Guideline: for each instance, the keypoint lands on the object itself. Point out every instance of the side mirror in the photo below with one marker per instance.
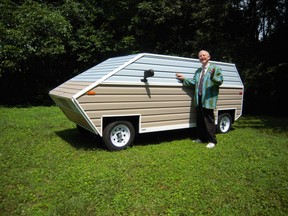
(147, 73)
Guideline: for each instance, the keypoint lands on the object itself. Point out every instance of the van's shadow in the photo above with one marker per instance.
(78, 140)
(89, 141)
(155, 138)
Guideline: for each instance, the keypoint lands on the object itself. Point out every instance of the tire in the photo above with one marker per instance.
(224, 123)
(118, 135)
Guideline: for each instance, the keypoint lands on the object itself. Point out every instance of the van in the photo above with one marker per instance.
(129, 95)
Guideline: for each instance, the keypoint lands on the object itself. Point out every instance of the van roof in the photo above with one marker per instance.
(129, 69)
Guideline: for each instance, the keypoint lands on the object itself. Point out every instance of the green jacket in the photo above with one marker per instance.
(210, 89)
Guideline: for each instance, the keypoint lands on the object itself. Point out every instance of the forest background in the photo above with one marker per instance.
(44, 43)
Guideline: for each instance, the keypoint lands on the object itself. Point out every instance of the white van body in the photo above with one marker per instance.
(115, 101)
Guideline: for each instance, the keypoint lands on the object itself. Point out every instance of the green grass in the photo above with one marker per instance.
(48, 168)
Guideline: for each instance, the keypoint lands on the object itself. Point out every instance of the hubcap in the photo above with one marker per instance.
(224, 124)
(120, 135)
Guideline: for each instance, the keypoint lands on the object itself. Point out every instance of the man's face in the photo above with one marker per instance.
(204, 57)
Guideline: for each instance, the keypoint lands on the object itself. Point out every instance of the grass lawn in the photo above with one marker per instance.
(48, 168)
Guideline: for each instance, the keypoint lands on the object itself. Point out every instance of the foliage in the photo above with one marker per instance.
(44, 43)
(33, 30)
(48, 168)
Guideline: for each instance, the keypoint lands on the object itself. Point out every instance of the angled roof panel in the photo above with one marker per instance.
(103, 69)
(130, 70)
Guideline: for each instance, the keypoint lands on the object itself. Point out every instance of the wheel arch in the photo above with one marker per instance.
(231, 111)
(133, 119)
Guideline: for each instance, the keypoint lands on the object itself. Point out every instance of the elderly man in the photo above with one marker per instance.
(206, 82)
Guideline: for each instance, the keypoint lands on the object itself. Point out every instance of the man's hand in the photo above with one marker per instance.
(212, 73)
(180, 76)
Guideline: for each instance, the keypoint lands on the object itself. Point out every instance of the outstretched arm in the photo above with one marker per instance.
(184, 80)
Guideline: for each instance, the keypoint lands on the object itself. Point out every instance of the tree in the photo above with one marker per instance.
(43, 43)
(33, 37)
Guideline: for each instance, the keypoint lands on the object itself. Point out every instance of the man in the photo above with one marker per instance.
(206, 82)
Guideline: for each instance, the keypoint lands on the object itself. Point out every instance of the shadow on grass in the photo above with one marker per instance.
(89, 141)
(277, 124)
(78, 140)
(155, 138)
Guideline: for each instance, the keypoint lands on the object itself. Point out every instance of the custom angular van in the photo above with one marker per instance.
(128, 95)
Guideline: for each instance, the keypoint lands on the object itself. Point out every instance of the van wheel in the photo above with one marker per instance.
(118, 135)
(224, 123)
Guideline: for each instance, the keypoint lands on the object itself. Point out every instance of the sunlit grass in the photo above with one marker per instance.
(48, 168)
